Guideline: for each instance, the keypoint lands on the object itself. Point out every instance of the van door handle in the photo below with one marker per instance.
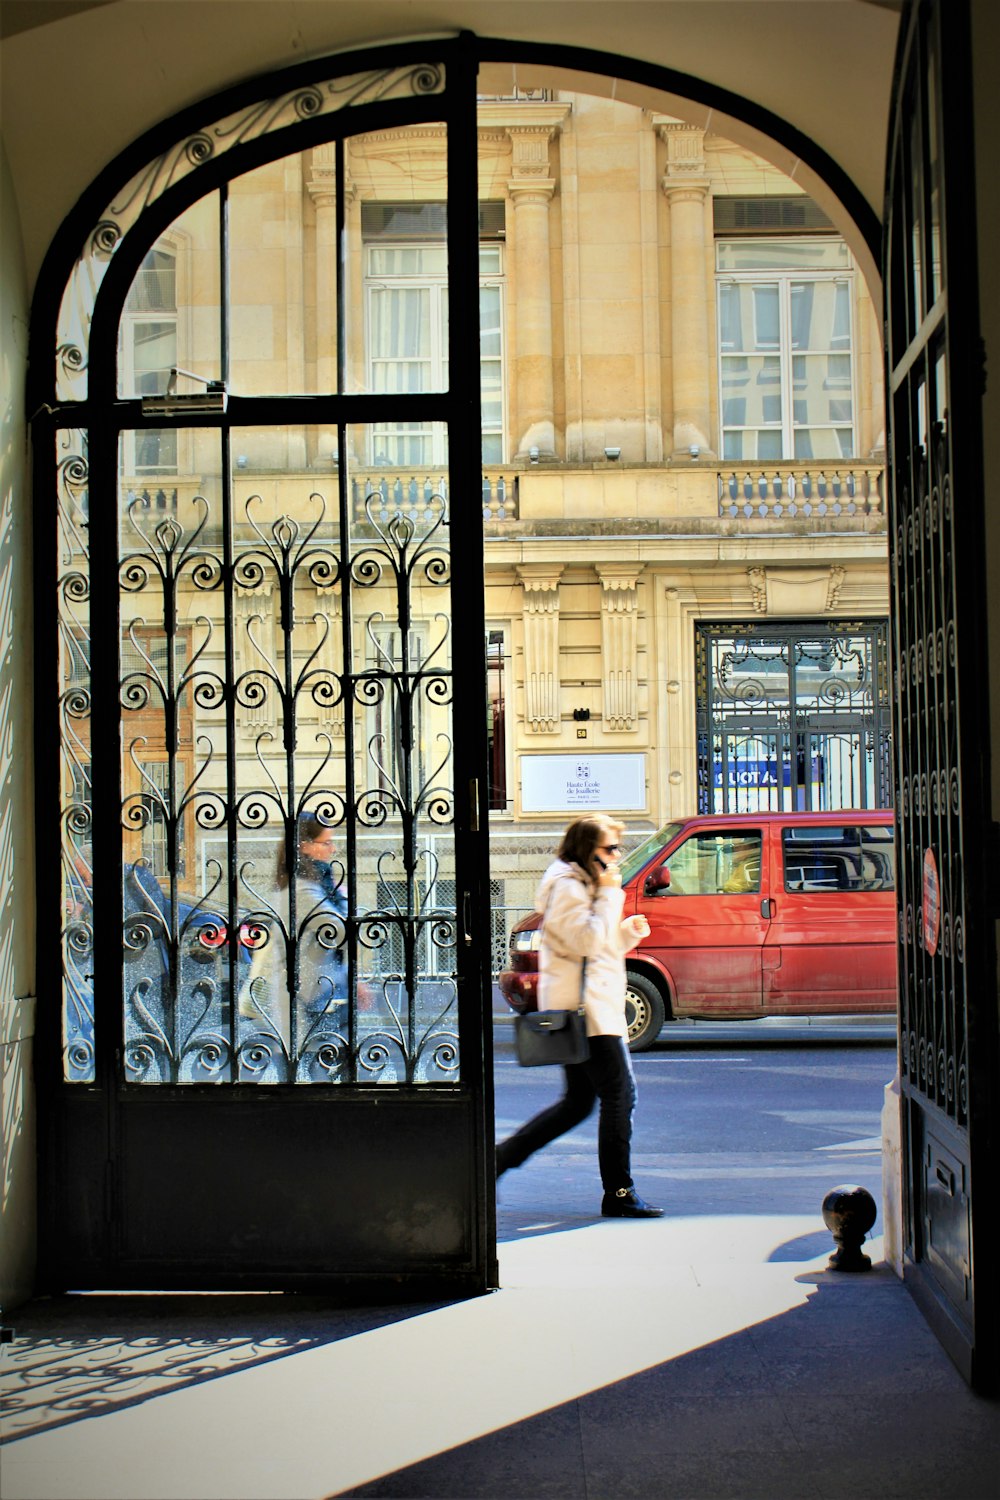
(767, 907)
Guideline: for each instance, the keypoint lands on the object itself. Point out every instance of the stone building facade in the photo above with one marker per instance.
(683, 440)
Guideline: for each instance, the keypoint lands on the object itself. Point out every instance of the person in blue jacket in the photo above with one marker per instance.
(321, 907)
(313, 934)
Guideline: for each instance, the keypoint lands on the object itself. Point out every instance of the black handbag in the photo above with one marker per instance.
(551, 1036)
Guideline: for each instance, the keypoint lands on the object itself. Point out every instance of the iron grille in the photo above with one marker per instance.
(793, 717)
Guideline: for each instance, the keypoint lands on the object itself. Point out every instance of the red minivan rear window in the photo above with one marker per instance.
(829, 858)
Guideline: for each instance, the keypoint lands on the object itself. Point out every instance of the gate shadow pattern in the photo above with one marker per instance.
(79, 1357)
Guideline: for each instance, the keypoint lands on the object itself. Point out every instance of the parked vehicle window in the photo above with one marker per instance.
(838, 859)
(715, 864)
(878, 859)
(633, 862)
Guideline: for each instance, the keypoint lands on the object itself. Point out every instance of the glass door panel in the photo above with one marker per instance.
(172, 674)
(397, 277)
(401, 642)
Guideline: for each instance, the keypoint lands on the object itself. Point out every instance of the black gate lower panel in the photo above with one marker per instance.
(213, 1196)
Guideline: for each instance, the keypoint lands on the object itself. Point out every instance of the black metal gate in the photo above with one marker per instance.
(793, 716)
(272, 1066)
(947, 963)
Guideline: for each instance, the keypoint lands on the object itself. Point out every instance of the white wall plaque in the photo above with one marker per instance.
(583, 783)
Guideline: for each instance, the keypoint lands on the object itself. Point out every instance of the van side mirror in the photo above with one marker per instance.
(656, 881)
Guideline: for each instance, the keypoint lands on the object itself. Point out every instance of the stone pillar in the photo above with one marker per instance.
(619, 640)
(295, 286)
(686, 187)
(540, 619)
(322, 185)
(531, 190)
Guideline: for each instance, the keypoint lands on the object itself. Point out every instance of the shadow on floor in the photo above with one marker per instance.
(84, 1356)
(832, 1398)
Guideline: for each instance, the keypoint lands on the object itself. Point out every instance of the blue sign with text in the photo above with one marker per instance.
(765, 773)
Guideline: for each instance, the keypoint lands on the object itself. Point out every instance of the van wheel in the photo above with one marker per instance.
(644, 1011)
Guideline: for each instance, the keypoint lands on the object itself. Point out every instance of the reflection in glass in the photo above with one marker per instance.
(171, 318)
(172, 673)
(75, 790)
(206, 145)
(283, 277)
(342, 803)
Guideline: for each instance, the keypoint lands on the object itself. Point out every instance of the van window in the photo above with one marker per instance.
(826, 858)
(716, 864)
(639, 856)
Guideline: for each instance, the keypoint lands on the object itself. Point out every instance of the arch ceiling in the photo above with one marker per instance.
(116, 69)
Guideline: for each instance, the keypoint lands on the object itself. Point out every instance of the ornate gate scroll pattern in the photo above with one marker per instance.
(219, 959)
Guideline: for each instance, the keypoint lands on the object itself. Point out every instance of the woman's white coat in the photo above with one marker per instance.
(583, 921)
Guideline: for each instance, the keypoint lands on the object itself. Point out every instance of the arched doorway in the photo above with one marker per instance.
(104, 1115)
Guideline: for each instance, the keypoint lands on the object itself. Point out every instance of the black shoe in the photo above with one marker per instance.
(626, 1204)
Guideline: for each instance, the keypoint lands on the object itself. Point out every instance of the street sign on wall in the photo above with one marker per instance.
(583, 783)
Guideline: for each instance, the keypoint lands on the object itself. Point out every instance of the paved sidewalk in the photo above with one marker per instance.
(672, 1358)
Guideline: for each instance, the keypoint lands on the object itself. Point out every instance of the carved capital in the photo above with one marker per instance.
(531, 190)
(684, 190)
(530, 150)
(322, 181)
(685, 150)
(538, 579)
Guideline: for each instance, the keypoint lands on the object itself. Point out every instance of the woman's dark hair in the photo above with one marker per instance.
(583, 838)
(309, 828)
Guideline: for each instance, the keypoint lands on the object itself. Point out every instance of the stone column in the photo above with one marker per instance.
(686, 187)
(540, 618)
(531, 190)
(619, 642)
(322, 185)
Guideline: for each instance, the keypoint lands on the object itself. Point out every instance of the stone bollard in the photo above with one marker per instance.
(849, 1212)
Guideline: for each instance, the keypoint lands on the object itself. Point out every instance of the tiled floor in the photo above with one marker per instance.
(677, 1358)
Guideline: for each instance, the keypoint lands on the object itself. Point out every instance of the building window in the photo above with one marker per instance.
(496, 718)
(147, 354)
(786, 349)
(407, 343)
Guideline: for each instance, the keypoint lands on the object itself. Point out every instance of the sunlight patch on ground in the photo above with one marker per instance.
(334, 1417)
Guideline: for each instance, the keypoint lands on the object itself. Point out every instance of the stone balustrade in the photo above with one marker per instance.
(531, 493)
(763, 491)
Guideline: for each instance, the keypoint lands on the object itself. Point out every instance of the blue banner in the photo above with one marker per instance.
(765, 773)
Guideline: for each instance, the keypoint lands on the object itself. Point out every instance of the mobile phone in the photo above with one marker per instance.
(599, 862)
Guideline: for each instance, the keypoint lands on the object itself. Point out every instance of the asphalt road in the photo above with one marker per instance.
(758, 1128)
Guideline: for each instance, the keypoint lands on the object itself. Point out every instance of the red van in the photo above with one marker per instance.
(750, 914)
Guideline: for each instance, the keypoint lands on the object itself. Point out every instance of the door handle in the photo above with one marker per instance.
(767, 907)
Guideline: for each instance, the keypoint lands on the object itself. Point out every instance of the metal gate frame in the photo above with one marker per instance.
(225, 1184)
(794, 732)
(946, 886)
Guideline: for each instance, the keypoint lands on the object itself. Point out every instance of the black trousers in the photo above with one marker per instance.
(607, 1076)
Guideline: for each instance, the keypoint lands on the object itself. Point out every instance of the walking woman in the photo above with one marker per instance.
(584, 942)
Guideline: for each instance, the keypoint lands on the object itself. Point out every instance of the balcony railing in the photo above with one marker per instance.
(751, 493)
(760, 492)
(419, 496)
